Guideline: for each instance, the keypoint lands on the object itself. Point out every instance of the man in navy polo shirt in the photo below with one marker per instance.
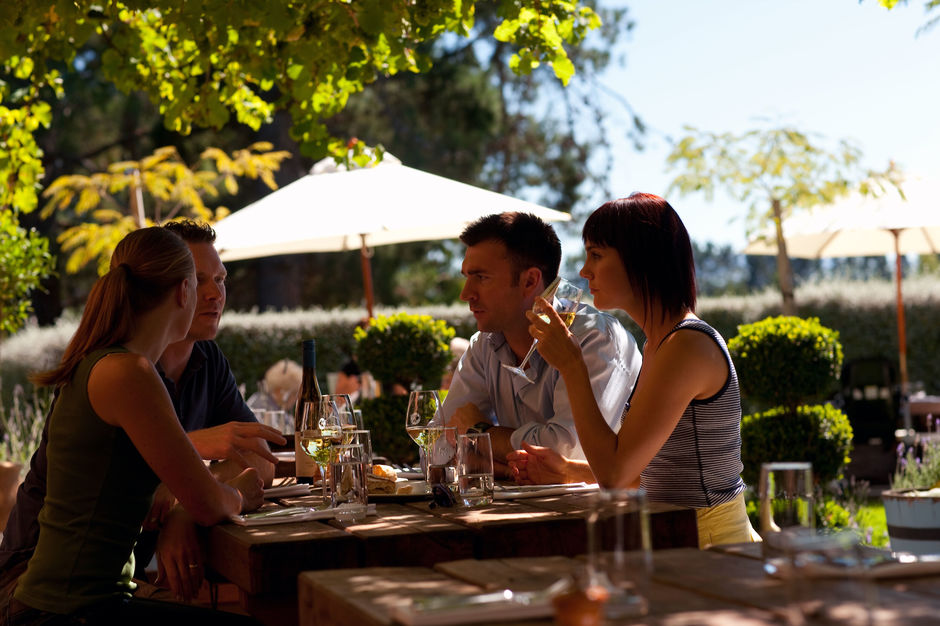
(220, 425)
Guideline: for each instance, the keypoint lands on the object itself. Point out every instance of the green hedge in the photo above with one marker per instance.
(863, 314)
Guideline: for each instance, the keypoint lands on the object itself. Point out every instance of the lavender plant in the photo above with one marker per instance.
(918, 464)
(22, 425)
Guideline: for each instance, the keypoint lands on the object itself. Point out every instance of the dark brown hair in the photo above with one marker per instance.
(654, 248)
(147, 265)
(191, 231)
(529, 241)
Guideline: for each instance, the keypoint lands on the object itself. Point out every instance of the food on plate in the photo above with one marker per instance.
(384, 471)
(381, 480)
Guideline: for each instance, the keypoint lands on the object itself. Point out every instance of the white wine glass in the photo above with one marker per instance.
(423, 407)
(347, 415)
(321, 428)
(565, 298)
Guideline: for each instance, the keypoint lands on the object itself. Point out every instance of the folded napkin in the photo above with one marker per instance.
(287, 490)
(516, 492)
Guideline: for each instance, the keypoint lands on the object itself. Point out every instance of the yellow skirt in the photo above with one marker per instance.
(725, 523)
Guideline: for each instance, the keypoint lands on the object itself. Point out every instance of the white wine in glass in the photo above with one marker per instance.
(320, 430)
(566, 299)
(423, 407)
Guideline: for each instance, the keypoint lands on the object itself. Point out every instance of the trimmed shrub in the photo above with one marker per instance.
(411, 350)
(820, 434)
(786, 360)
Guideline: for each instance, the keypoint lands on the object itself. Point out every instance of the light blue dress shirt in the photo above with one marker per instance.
(540, 413)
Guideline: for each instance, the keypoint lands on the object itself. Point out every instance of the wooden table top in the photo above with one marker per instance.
(264, 561)
(725, 585)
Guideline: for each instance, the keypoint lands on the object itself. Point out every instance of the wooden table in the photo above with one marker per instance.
(688, 586)
(265, 561)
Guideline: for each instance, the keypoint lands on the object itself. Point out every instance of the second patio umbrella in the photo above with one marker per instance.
(868, 226)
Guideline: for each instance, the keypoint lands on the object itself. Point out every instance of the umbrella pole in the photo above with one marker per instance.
(366, 257)
(902, 333)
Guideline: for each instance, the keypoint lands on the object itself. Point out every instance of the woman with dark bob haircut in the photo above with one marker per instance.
(680, 437)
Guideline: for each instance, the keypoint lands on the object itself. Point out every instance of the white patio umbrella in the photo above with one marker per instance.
(868, 226)
(332, 209)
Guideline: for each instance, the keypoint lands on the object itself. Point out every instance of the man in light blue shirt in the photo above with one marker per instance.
(509, 261)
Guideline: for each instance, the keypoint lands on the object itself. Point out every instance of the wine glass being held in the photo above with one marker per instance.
(554, 341)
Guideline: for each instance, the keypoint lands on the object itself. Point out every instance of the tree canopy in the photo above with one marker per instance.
(778, 171)
(203, 63)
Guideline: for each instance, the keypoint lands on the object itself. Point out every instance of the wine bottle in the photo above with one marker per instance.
(306, 466)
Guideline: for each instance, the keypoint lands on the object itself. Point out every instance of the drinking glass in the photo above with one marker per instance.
(620, 555)
(320, 429)
(423, 407)
(475, 469)
(347, 417)
(363, 438)
(441, 456)
(348, 492)
(565, 298)
(282, 421)
(829, 554)
(786, 510)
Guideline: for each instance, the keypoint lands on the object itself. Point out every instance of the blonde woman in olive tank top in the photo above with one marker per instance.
(113, 435)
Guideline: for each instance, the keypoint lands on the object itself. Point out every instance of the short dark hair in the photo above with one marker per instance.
(350, 368)
(192, 231)
(654, 248)
(529, 241)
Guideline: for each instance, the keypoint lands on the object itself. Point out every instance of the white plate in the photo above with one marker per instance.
(287, 490)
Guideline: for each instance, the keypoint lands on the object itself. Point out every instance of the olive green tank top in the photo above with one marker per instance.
(99, 491)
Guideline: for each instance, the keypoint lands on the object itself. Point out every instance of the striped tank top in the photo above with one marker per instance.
(700, 464)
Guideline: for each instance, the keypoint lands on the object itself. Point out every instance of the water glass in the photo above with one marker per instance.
(475, 469)
(441, 450)
(785, 509)
(833, 554)
(363, 438)
(620, 554)
(348, 490)
(786, 497)
(281, 421)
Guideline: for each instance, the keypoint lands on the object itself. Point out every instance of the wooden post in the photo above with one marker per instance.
(366, 257)
(902, 331)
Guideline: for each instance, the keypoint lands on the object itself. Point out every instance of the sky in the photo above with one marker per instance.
(837, 68)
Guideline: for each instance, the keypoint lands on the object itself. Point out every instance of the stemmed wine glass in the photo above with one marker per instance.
(321, 427)
(565, 298)
(423, 407)
(347, 415)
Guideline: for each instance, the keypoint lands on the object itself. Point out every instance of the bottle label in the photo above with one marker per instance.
(306, 467)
